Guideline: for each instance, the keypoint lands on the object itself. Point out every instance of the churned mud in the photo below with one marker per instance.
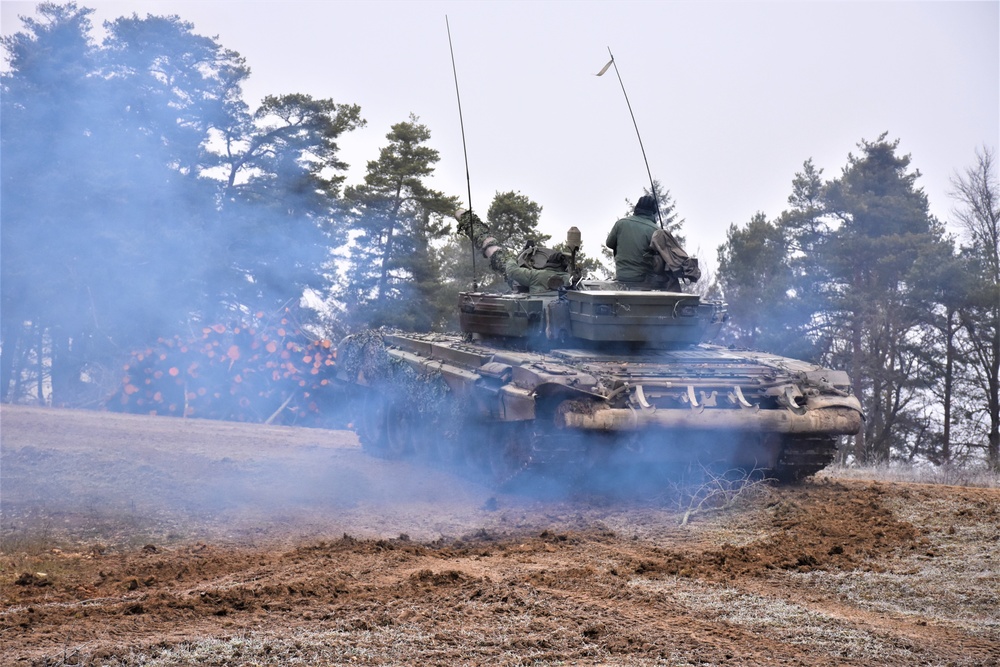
(133, 540)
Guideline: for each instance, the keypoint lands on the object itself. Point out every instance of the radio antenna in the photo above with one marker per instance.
(465, 153)
(652, 186)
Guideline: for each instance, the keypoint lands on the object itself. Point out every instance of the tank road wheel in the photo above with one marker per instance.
(430, 437)
(424, 439)
(510, 451)
(400, 425)
(372, 425)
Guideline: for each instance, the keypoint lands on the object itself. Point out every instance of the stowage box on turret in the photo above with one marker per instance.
(590, 373)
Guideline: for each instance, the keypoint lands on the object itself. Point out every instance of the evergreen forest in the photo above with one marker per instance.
(152, 221)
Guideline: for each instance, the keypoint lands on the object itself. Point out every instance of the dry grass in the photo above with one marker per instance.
(976, 476)
(950, 578)
(717, 492)
(783, 621)
(340, 644)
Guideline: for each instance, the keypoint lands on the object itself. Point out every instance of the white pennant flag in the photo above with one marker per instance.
(605, 68)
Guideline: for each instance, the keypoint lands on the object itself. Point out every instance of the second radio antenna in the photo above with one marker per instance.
(652, 186)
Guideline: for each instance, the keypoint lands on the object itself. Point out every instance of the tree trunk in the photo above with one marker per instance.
(40, 360)
(949, 380)
(387, 252)
(993, 444)
(12, 340)
(860, 444)
(65, 368)
(21, 367)
(384, 276)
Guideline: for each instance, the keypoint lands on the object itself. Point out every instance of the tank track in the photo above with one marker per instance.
(502, 452)
(802, 457)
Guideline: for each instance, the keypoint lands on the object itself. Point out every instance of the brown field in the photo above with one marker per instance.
(157, 541)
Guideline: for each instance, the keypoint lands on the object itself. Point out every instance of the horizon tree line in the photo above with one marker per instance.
(143, 199)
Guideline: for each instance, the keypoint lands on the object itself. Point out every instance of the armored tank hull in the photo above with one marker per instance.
(592, 376)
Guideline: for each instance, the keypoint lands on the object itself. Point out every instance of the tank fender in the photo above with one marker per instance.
(520, 403)
(549, 389)
(516, 404)
(458, 379)
(822, 402)
(538, 374)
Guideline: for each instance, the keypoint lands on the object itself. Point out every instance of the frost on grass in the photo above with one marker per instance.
(933, 597)
(782, 621)
(501, 642)
(952, 577)
(948, 475)
(383, 645)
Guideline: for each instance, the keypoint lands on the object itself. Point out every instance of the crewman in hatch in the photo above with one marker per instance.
(647, 256)
(553, 275)
(629, 242)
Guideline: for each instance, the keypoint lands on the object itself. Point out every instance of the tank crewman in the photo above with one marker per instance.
(629, 242)
(553, 275)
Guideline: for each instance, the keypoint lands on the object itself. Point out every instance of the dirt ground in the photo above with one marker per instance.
(158, 541)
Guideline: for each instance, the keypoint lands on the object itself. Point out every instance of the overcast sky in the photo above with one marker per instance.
(730, 97)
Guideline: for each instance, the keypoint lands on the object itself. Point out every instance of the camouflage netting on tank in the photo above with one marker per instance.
(364, 357)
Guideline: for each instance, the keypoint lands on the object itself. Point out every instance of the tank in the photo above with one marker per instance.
(593, 375)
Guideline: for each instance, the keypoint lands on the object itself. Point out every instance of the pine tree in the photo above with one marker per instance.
(393, 277)
(882, 224)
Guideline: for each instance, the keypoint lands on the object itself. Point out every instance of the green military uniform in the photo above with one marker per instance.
(536, 280)
(629, 241)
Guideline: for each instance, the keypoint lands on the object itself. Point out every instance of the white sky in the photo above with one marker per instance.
(730, 97)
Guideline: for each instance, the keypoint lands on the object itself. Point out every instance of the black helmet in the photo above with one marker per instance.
(646, 206)
(557, 261)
